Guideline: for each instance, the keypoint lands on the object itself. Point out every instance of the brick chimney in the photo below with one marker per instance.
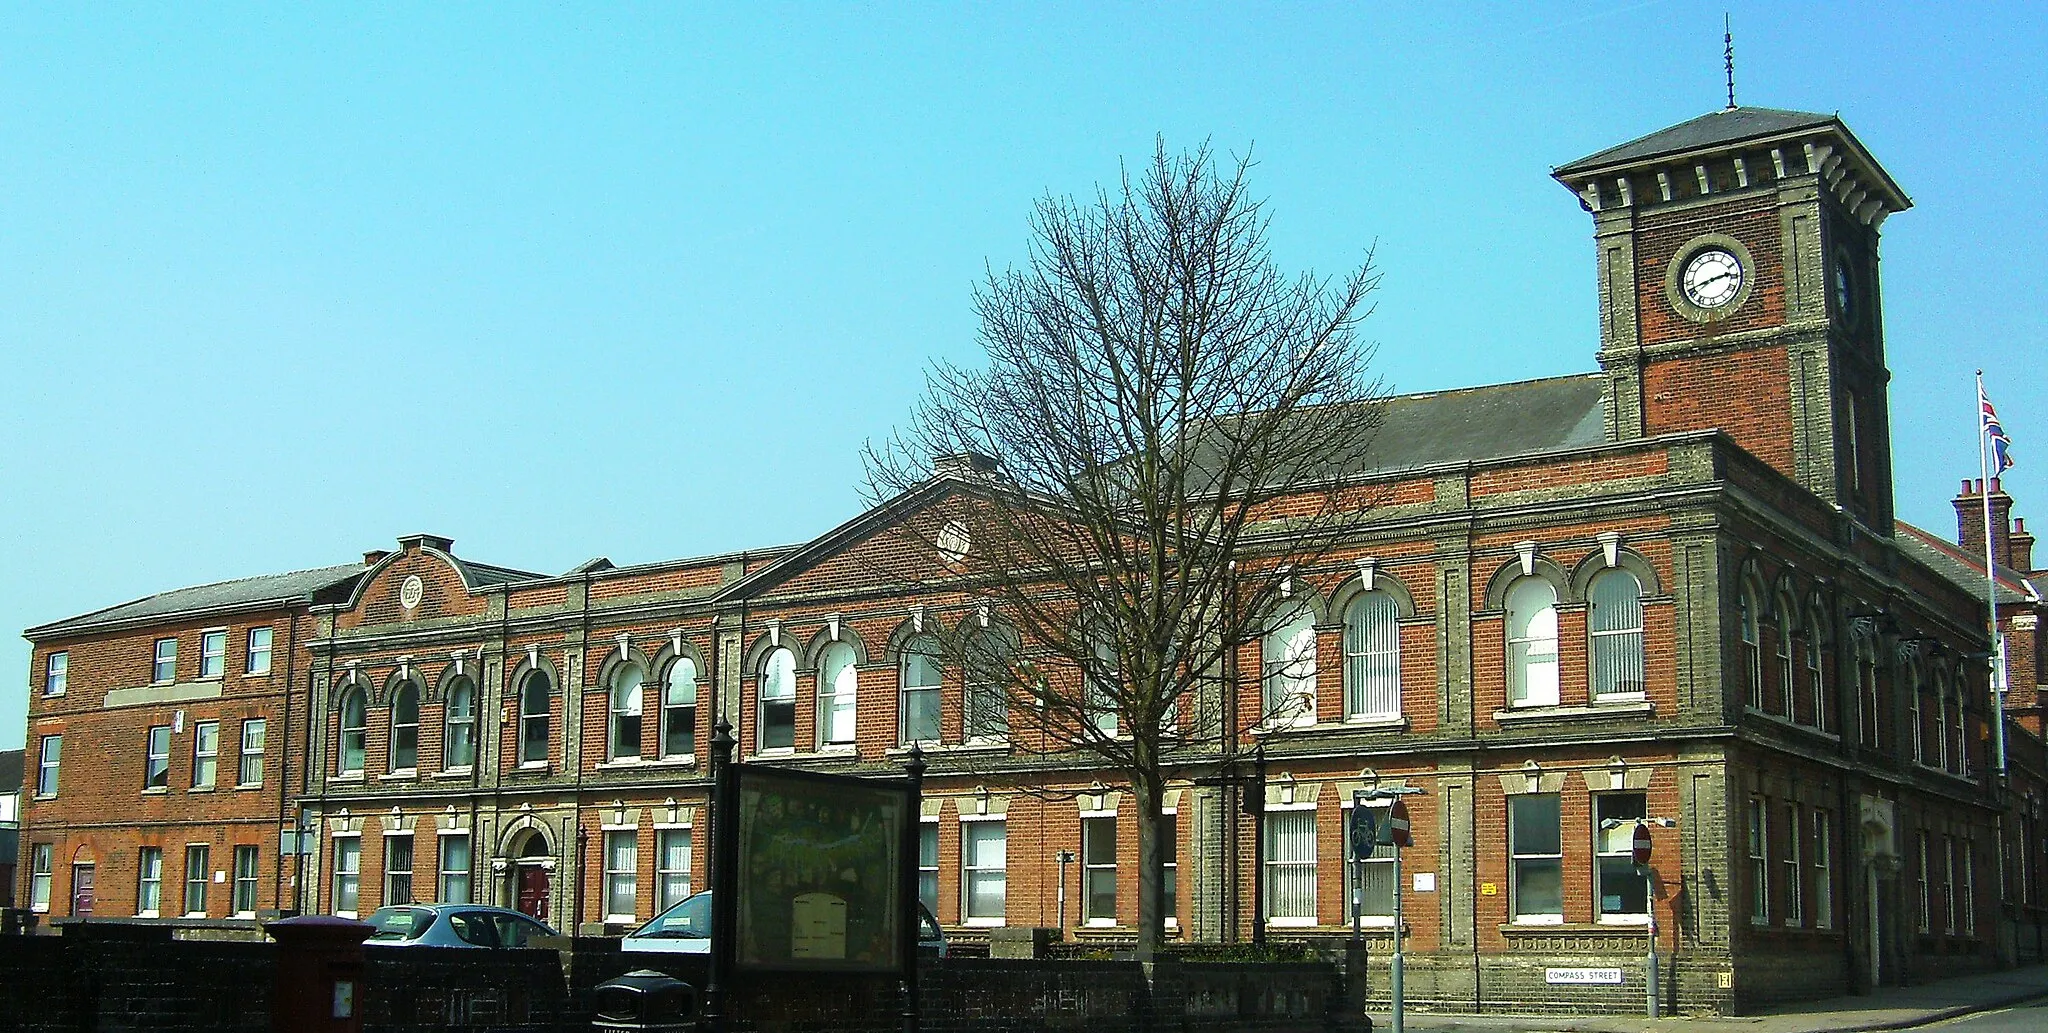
(2022, 547)
(1969, 503)
(965, 465)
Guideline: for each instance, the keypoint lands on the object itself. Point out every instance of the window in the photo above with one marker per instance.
(46, 766)
(164, 668)
(1288, 660)
(1752, 648)
(778, 700)
(671, 867)
(1536, 849)
(621, 870)
(988, 703)
(149, 881)
(1816, 682)
(1968, 864)
(259, 652)
(1914, 714)
(454, 869)
(1291, 867)
(837, 683)
(983, 875)
(1623, 894)
(458, 714)
(928, 865)
(919, 675)
(354, 729)
(1372, 657)
(56, 671)
(1759, 864)
(196, 875)
(213, 654)
(679, 709)
(1867, 703)
(533, 718)
(1373, 898)
(1795, 897)
(205, 754)
(250, 772)
(1169, 863)
(405, 727)
(1099, 698)
(245, 881)
(1787, 673)
(1098, 870)
(625, 698)
(397, 869)
(348, 869)
(1924, 921)
(1823, 876)
(1616, 630)
(157, 762)
(40, 859)
(1532, 643)
(1948, 870)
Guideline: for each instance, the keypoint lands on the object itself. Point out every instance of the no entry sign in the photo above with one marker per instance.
(1397, 825)
(1640, 848)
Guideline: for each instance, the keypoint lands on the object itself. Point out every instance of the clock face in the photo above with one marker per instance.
(1713, 278)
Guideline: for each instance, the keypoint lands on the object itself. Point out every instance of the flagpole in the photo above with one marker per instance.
(1997, 678)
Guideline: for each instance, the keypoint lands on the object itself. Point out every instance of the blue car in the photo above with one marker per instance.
(452, 925)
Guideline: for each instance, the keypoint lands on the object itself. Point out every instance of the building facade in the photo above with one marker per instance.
(1672, 591)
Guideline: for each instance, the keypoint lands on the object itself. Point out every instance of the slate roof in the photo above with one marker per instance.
(1493, 421)
(1951, 562)
(1709, 130)
(486, 575)
(297, 586)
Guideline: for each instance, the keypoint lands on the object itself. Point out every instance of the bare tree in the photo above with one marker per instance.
(1165, 426)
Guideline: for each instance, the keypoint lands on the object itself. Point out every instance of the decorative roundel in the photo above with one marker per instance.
(1713, 278)
(410, 593)
(954, 543)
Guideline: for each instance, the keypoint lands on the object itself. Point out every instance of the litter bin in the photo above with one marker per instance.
(645, 1000)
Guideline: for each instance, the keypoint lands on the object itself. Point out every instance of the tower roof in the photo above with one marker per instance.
(1705, 132)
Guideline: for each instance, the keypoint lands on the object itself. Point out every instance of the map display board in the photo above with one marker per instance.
(819, 873)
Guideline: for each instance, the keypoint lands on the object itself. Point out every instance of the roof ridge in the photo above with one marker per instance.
(1472, 388)
(2010, 576)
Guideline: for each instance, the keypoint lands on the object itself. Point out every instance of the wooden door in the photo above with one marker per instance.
(533, 891)
(81, 889)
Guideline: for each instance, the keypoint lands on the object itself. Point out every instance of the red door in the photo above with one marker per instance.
(533, 891)
(81, 890)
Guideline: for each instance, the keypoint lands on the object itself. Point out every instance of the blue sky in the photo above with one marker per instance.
(280, 283)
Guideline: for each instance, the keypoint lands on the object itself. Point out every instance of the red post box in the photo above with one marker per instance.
(319, 975)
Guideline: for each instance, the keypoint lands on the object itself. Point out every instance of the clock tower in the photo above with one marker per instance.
(1737, 267)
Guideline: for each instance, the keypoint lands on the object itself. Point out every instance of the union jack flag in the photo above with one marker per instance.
(2001, 446)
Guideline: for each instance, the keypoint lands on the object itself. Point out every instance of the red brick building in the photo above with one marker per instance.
(1671, 589)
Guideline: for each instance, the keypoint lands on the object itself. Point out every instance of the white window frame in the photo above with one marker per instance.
(392, 871)
(42, 860)
(1816, 680)
(1948, 871)
(970, 872)
(1516, 859)
(679, 717)
(672, 883)
(928, 863)
(448, 873)
(163, 664)
(400, 728)
(625, 706)
(1535, 647)
(348, 844)
(205, 754)
(49, 761)
(1823, 870)
(925, 648)
(1617, 842)
(777, 673)
(205, 857)
(1088, 868)
(1372, 657)
(251, 754)
(258, 643)
(156, 759)
(1614, 637)
(1380, 864)
(1788, 663)
(358, 734)
(56, 672)
(1278, 867)
(985, 701)
(458, 725)
(1287, 665)
(621, 880)
(1747, 620)
(213, 654)
(149, 881)
(1793, 861)
(1169, 856)
(541, 686)
(1925, 920)
(1759, 848)
(838, 696)
(1969, 894)
(251, 878)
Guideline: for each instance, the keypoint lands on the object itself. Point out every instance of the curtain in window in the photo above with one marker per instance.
(1616, 627)
(1291, 865)
(983, 845)
(1372, 657)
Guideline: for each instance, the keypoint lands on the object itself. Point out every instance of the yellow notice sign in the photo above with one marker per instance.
(817, 927)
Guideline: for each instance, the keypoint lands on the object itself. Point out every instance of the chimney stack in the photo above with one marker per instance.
(1969, 503)
(2022, 547)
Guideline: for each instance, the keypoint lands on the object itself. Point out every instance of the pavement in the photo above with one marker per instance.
(1892, 1007)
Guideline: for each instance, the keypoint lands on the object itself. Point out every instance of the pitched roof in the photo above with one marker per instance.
(1494, 421)
(293, 587)
(1710, 130)
(486, 575)
(1966, 572)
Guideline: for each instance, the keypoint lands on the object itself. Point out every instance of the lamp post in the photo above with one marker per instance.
(1640, 847)
(1065, 858)
(1393, 833)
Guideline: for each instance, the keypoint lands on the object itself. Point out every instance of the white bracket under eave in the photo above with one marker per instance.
(1527, 552)
(1368, 571)
(1610, 547)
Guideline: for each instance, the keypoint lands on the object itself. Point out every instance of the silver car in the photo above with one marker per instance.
(452, 925)
(685, 928)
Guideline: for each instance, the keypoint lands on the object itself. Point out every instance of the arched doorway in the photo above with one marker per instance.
(530, 875)
(82, 870)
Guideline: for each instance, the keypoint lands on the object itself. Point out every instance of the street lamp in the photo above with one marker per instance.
(1065, 858)
(1366, 834)
(1641, 855)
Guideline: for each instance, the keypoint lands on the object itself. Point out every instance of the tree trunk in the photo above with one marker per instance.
(1149, 787)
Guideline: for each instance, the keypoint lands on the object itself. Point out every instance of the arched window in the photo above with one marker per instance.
(1788, 674)
(1615, 626)
(1915, 712)
(354, 729)
(1099, 694)
(405, 727)
(533, 718)
(986, 672)
(1746, 613)
(919, 675)
(778, 700)
(1288, 656)
(1816, 676)
(460, 714)
(1372, 657)
(627, 680)
(679, 709)
(1866, 694)
(1532, 643)
(838, 681)
(1941, 724)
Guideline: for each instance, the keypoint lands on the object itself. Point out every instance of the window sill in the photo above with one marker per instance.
(1625, 921)
(1572, 929)
(984, 923)
(1396, 723)
(1290, 923)
(349, 776)
(157, 791)
(44, 796)
(401, 775)
(200, 789)
(243, 787)
(1589, 712)
(532, 765)
(1002, 746)
(465, 771)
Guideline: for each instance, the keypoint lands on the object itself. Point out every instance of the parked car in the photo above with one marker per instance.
(685, 928)
(452, 925)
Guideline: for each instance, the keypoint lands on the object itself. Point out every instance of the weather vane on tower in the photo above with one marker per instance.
(1728, 54)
